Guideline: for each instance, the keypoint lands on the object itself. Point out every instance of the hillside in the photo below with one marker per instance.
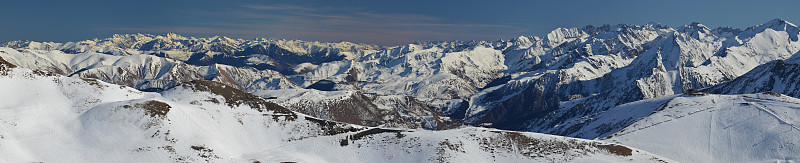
(701, 127)
(51, 118)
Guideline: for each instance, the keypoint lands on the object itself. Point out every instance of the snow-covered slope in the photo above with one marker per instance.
(699, 127)
(45, 117)
(709, 128)
(457, 145)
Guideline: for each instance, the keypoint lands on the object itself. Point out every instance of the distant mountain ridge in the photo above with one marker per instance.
(263, 54)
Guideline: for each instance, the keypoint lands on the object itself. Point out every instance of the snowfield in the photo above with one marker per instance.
(719, 128)
(759, 127)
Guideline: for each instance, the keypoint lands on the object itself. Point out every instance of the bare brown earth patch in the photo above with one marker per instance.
(373, 131)
(534, 148)
(205, 153)
(235, 97)
(152, 108)
(332, 128)
(5, 66)
(617, 149)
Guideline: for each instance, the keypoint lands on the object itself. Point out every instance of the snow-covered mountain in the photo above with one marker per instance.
(674, 61)
(143, 72)
(780, 76)
(433, 74)
(275, 54)
(46, 117)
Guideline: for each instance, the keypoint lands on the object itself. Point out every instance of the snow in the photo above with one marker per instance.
(143, 71)
(304, 67)
(613, 65)
(57, 118)
(588, 72)
(72, 120)
(181, 48)
(422, 146)
(430, 73)
(717, 128)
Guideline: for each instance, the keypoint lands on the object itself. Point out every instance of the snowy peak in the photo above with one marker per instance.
(523, 42)
(778, 24)
(696, 30)
(774, 25)
(561, 35)
(695, 26)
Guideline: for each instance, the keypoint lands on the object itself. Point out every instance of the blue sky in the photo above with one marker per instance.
(376, 22)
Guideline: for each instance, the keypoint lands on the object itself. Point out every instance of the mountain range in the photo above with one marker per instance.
(620, 84)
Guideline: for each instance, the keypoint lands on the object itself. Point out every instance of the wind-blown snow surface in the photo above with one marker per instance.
(51, 118)
(708, 128)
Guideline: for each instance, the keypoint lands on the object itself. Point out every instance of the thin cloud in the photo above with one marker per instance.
(396, 17)
(333, 24)
(277, 7)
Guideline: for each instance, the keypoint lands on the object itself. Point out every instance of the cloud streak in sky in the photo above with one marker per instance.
(277, 7)
(331, 24)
